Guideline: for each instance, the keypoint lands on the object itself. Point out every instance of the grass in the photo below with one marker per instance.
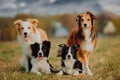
(105, 61)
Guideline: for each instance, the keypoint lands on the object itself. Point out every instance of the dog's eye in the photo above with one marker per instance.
(22, 28)
(82, 20)
(28, 27)
(88, 19)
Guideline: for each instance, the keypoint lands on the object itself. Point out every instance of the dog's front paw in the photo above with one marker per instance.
(76, 73)
(88, 72)
(60, 73)
(38, 73)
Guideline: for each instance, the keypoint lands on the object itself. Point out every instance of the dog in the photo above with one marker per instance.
(39, 61)
(85, 36)
(70, 64)
(28, 33)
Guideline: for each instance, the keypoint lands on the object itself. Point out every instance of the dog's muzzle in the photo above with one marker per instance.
(85, 25)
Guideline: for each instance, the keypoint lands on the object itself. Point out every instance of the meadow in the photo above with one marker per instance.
(104, 61)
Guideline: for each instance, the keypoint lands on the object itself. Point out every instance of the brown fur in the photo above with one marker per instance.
(33, 27)
(77, 35)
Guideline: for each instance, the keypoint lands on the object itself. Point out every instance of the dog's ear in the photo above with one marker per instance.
(33, 21)
(47, 43)
(92, 15)
(79, 16)
(62, 45)
(78, 19)
(76, 46)
(59, 52)
(17, 24)
(35, 48)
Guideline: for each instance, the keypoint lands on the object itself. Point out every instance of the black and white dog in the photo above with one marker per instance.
(70, 64)
(39, 61)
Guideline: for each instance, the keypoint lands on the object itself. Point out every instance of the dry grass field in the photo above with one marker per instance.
(105, 61)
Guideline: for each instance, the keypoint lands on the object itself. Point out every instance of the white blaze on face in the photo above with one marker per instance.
(25, 26)
(40, 51)
(69, 54)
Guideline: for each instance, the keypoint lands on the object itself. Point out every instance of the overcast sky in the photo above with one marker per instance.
(51, 7)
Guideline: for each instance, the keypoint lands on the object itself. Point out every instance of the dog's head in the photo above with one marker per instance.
(26, 28)
(41, 50)
(85, 20)
(69, 52)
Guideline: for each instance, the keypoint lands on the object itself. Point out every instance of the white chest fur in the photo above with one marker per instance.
(87, 43)
(69, 66)
(41, 65)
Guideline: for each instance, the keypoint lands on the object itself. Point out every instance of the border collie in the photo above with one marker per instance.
(39, 61)
(28, 33)
(70, 64)
(84, 35)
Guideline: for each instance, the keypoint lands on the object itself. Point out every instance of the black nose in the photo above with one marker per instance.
(68, 56)
(85, 25)
(25, 33)
(40, 54)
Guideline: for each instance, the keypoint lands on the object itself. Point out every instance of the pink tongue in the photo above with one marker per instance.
(26, 39)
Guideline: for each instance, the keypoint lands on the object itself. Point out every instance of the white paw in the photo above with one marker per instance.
(60, 73)
(38, 73)
(76, 73)
(88, 72)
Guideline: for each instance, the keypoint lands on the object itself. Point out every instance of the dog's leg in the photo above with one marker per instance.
(35, 70)
(86, 67)
(26, 64)
(75, 72)
(23, 62)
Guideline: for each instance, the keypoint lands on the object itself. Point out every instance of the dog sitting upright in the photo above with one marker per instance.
(70, 64)
(28, 33)
(39, 61)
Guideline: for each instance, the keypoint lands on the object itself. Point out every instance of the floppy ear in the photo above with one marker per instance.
(17, 24)
(79, 16)
(59, 52)
(92, 15)
(35, 49)
(33, 21)
(76, 46)
(47, 43)
(62, 45)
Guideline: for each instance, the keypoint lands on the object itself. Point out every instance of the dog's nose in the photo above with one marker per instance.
(40, 54)
(85, 25)
(68, 56)
(25, 33)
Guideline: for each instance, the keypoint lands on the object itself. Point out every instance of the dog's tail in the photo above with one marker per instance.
(52, 69)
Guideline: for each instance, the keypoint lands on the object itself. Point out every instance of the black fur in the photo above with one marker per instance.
(29, 63)
(45, 49)
(35, 48)
(74, 49)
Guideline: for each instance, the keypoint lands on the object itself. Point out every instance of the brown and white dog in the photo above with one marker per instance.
(85, 36)
(27, 34)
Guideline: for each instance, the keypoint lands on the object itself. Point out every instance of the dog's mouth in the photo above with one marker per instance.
(26, 38)
(40, 57)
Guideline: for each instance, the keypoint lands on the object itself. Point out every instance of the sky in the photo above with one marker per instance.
(52, 7)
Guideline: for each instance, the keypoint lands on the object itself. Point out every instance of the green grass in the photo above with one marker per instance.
(105, 61)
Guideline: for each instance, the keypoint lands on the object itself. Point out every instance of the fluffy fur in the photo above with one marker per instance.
(40, 63)
(70, 64)
(28, 33)
(84, 35)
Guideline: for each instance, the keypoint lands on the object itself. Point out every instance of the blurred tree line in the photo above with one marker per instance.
(7, 30)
